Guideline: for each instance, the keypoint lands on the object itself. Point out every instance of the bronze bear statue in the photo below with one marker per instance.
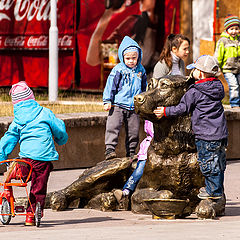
(171, 173)
(172, 153)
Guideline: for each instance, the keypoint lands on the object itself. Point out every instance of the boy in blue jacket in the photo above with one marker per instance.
(203, 101)
(34, 127)
(127, 79)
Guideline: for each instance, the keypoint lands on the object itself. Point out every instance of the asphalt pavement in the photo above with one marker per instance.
(90, 224)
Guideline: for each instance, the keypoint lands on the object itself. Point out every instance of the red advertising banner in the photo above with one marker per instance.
(172, 16)
(138, 20)
(24, 28)
(25, 23)
(82, 26)
(92, 14)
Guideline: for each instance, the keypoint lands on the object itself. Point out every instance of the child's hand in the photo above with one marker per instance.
(107, 106)
(159, 112)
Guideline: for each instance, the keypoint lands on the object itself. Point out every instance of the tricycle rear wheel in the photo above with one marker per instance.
(38, 214)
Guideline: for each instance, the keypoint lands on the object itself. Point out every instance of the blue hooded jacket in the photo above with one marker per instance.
(124, 83)
(33, 127)
(203, 100)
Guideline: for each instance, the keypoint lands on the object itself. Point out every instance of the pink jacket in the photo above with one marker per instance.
(148, 128)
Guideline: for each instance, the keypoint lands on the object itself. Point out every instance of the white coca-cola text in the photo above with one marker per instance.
(65, 41)
(34, 41)
(14, 41)
(25, 9)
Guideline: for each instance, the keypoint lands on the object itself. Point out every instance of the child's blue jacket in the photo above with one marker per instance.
(34, 127)
(124, 83)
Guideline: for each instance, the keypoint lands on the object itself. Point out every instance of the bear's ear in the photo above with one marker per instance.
(152, 83)
(190, 79)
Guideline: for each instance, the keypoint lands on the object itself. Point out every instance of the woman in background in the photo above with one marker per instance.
(175, 50)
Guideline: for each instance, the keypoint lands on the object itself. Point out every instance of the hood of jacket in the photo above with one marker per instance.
(26, 111)
(128, 42)
(226, 35)
(211, 87)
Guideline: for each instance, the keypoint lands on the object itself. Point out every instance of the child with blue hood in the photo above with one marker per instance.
(127, 79)
(36, 129)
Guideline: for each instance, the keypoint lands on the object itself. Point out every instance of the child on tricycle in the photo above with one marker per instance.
(35, 128)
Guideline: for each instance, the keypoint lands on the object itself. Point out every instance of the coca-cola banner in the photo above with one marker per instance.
(25, 23)
(82, 26)
(24, 41)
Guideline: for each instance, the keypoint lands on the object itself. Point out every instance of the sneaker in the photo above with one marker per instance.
(126, 192)
(30, 220)
(205, 195)
(13, 172)
(118, 194)
(110, 154)
(202, 189)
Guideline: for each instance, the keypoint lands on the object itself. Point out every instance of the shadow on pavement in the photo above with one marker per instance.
(77, 221)
(232, 211)
(232, 203)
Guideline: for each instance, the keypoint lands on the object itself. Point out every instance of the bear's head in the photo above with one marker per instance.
(171, 135)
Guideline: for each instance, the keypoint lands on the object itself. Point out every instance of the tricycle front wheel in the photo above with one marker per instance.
(5, 212)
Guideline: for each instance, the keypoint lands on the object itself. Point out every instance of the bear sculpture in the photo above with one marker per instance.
(171, 174)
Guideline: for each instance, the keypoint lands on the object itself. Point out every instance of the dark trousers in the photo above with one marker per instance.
(39, 179)
(116, 117)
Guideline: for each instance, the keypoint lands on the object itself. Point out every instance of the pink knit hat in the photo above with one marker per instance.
(21, 92)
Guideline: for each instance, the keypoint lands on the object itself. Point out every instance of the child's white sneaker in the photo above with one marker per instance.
(205, 195)
(118, 194)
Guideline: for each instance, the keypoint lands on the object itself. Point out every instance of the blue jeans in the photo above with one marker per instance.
(136, 176)
(212, 162)
(233, 81)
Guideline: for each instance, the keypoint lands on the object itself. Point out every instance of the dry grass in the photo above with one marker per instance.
(89, 102)
(6, 109)
(42, 95)
(60, 108)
